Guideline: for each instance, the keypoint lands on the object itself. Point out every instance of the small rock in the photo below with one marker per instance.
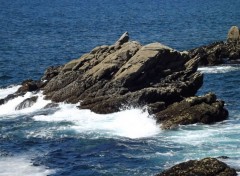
(123, 39)
(233, 34)
(2, 101)
(51, 105)
(29, 86)
(27, 103)
(205, 109)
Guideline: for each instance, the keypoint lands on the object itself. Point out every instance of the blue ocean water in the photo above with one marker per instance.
(67, 141)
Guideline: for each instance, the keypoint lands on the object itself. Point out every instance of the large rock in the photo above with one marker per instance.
(219, 52)
(110, 77)
(206, 109)
(204, 167)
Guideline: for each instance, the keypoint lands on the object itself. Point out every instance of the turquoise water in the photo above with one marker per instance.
(68, 141)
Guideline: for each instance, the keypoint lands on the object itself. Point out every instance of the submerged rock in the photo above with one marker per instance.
(204, 167)
(27, 103)
(219, 52)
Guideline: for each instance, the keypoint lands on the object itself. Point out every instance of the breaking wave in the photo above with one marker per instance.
(219, 69)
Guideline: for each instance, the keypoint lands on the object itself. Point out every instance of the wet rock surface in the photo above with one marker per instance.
(27, 103)
(204, 167)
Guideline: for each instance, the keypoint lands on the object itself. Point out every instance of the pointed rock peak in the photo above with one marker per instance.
(233, 34)
(123, 39)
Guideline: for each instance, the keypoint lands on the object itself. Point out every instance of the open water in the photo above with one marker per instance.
(67, 141)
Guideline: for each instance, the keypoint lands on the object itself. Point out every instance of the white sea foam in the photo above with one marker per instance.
(205, 134)
(9, 107)
(218, 69)
(128, 123)
(9, 90)
(16, 166)
(133, 123)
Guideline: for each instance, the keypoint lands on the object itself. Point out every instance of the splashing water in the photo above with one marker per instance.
(16, 166)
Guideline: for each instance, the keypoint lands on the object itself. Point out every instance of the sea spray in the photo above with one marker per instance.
(21, 166)
(132, 123)
(9, 90)
(9, 108)
(219, 69)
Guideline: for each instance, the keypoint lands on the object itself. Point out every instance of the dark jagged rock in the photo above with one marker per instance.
(27, 86)
(51, 105)
(123, 39)
(27, 103)
(206, 109)
(219, 52)
(9, 97)
(223, 157)
(30, 86)
(204, 167)
(51, 72)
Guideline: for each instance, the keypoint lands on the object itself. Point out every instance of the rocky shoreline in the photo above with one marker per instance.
(152, 76)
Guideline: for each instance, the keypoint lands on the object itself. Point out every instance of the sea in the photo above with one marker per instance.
(66, 141)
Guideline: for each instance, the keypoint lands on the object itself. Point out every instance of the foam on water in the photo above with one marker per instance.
(9, 107)
(16, 166)
(9, 90)
(199, 134)
(219, 69)
(133, 123)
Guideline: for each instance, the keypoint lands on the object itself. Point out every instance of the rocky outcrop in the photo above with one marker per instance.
(219, 52)
(204, 167)
(109, 78)
(126, 73)
(205, 109)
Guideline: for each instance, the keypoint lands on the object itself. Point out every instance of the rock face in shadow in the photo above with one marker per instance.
(206, 109)
(204, 167)
(220, 52)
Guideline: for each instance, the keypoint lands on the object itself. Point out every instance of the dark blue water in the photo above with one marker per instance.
(37, 34)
